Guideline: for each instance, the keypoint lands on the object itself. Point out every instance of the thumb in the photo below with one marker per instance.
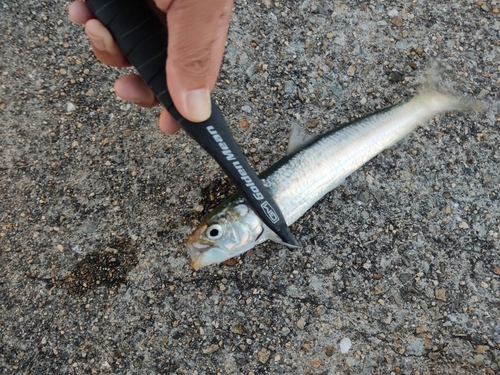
(197, 33)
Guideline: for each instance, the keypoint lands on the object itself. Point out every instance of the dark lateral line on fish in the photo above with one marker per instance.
(236, 164)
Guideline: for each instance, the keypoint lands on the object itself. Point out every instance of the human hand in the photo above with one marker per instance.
(197, 32)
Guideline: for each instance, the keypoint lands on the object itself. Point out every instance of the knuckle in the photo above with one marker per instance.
(194, 66)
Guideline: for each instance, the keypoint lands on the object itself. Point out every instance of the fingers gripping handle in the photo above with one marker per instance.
(141, 37)
(143, 40)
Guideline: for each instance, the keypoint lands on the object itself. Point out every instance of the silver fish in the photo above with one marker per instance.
(300, 180)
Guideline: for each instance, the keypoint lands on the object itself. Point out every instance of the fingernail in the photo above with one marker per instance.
(198, 105)
(98, 43)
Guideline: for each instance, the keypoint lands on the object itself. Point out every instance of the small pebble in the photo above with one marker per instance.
(312, 123)
(496, 269)
(212, 348)
(239, 329)
(463, 225)
(440, 294)
(316, 362)
(416, 347)
(70, 107)
(263, 355)
(345, 345)
(301, 323)
(421, 328)
(244, 124)
(480, 349)
(397, 21)
(351, 70)
(483, 94)
(485, 7)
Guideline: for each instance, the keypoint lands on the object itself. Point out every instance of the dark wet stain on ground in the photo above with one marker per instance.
(108, 267)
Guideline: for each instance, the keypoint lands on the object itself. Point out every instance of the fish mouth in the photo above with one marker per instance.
(196, 257)
(196, 254)
(197, 263)
(206, 258)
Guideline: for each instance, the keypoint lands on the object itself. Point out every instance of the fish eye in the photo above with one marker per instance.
(214, 232)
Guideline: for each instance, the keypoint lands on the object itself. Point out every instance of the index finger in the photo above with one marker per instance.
(79, 12)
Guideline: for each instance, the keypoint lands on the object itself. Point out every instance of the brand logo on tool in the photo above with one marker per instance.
(243, 174)
(270, 212)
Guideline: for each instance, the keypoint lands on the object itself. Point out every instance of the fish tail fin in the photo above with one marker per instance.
(440, 102)
(442, 88)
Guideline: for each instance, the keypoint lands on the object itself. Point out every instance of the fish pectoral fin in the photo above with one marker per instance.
(275, 238)
(298, 138)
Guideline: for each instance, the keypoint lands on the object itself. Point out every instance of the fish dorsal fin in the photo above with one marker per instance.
(298, 138)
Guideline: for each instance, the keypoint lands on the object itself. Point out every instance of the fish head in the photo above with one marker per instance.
(225, 233)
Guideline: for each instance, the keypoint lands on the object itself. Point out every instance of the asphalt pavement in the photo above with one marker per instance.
(401, 264)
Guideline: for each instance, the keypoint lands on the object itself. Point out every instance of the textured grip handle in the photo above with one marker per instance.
(143, 40)
(141, 37)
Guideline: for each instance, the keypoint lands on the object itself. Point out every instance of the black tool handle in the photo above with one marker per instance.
(143, 40)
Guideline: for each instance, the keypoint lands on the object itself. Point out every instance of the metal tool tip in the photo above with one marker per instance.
(287, 237)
